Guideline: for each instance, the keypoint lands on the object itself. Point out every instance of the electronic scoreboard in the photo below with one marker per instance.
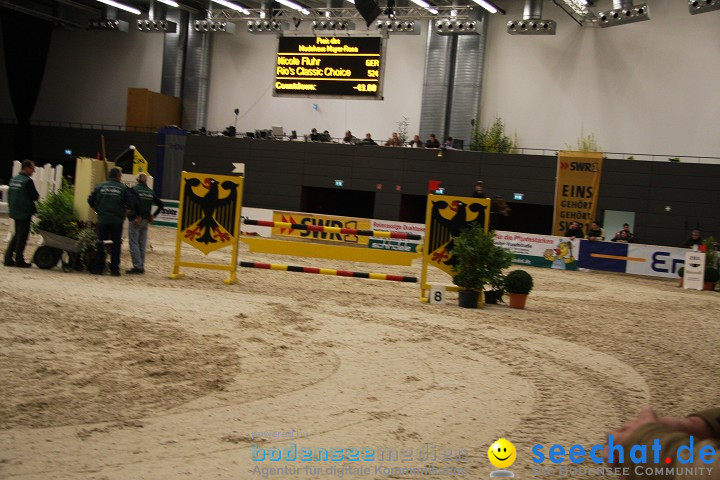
(329, 67)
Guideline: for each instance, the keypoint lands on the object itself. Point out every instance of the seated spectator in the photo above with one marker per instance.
(624, 235)
(574, 231)
(416, 142)
(325, 137)
(314, 135)
(479, 190)
(432, 142)
(448, 143)
(695, 239)
(595, 232)
(394, 141)
(368, 140)
(349, 138)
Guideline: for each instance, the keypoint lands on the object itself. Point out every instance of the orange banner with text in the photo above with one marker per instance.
(577, 189)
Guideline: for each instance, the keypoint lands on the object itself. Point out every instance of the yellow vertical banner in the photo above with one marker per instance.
(577, 189)
(445, 217)
(209, 217)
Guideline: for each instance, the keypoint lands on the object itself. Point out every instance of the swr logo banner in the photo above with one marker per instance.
(576, 190)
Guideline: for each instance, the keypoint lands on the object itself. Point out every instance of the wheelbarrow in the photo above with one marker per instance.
(56, 248)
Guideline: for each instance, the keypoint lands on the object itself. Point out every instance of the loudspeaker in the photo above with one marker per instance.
(368, 9)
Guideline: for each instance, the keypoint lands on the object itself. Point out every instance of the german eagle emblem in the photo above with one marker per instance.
(447, 218)
(208, 216)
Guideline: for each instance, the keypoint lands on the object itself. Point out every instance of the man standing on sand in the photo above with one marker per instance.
(140, 220)
(22, 196)
(112, 200)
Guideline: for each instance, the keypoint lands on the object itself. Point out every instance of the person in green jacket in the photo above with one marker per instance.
(21, 199)
(140, 220)
(112, 200)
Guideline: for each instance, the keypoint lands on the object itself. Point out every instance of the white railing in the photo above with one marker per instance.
(3, 198)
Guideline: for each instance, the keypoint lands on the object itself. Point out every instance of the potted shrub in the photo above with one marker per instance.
(681, 274)
(711, 258)
(497, 290)
(710, 278)
(518, 284)
(479, 262)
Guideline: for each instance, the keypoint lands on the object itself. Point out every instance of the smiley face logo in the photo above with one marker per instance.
(502, 453)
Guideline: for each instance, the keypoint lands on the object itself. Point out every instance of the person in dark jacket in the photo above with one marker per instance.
(694, 239)
(113, 201)
(432, 142)
(479, 190)
(140, 220)
(596, 232)
(574, 231)
(22, 196)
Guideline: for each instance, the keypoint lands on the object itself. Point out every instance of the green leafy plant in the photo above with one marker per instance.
(402, 129)
(492, 139)
(711, 275)
(711, 254)
(479, 261)
(585, 143)
(87, 239)
(519, 281)
(56, 214)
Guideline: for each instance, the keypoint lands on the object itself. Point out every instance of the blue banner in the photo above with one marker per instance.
(607, 256)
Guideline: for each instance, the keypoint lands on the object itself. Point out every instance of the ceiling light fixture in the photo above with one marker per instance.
(121, 6)
(426, 6)
(487, 6)
(169, 2)
(294, 6)
(233, 6)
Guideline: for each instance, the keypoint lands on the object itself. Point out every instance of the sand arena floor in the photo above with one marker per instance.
(141, 377)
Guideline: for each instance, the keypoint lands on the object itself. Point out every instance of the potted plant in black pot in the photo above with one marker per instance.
(518, 284)
(479, 262)
(712, 275)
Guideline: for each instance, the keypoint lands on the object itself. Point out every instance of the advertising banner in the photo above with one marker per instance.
(655, 261)
(540, 250)
(321, 220)
(390, 226)
(168, 216)
(694, 271)
(394, 245)
(576, 189)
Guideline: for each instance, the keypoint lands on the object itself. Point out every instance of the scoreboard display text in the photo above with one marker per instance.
(328, 66)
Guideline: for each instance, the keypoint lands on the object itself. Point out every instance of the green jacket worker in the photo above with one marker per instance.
(21, 199)
(112, 200)
(140, 220)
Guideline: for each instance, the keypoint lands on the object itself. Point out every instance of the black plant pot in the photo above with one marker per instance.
(492, 296)
(468, 298)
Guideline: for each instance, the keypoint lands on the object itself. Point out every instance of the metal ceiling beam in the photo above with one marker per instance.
(403, 13)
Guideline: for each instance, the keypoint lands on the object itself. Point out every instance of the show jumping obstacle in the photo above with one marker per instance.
(343, 231)
(329, 271)
(330, 252)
